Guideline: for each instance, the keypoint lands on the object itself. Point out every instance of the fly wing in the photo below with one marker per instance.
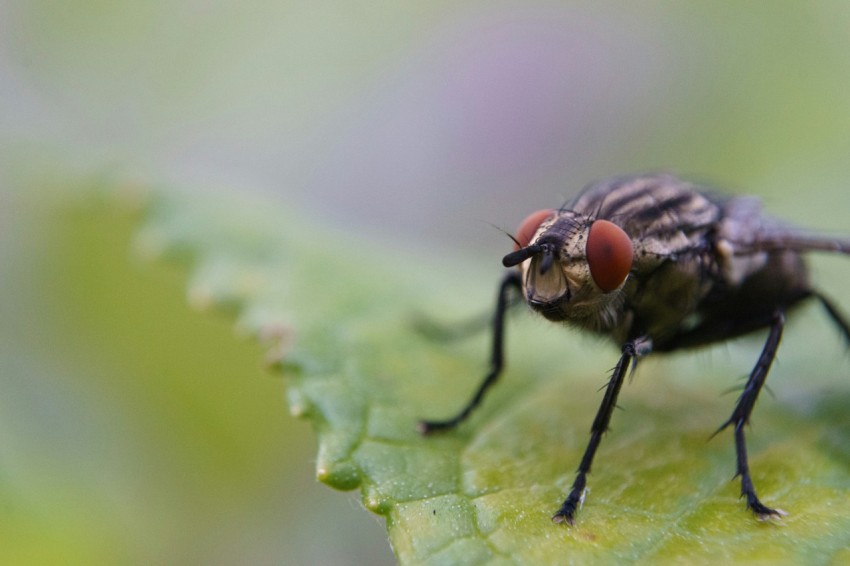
(747, 232)
(792, 239)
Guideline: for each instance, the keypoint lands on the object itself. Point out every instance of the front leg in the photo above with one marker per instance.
(632, 350)
(741, 416)
(510, 283)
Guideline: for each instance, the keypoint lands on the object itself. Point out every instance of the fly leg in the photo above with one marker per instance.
(440, 332)
(741, 416)
(835, 315)
(510, 283)
(632, 350)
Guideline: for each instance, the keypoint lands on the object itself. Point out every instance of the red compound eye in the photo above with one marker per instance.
(530, 225)
(609, 255)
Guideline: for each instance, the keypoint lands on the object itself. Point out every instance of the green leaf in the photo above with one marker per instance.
(335, 311)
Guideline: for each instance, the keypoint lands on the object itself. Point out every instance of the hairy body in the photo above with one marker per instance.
(658, 264)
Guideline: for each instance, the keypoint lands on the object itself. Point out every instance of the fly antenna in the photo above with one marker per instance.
(520, 255)
(505, 232)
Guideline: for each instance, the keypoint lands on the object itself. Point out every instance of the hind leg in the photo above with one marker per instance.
(835, 315)
(741, 416)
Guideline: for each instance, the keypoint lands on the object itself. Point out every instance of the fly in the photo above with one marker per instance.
(658, 264)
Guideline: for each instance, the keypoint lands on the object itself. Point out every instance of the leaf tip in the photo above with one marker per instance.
(343, 476)
(376, 505)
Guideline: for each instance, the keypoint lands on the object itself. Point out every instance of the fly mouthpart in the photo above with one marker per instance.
(550, 309)
(548, 260)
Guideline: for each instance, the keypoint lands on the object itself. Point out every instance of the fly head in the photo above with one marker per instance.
(573, 266)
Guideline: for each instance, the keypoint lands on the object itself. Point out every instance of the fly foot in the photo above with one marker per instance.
(762, 511)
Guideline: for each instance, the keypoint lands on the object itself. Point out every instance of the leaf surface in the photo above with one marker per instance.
(335, 311)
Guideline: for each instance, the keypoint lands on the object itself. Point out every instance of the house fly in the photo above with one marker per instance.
(657, 264)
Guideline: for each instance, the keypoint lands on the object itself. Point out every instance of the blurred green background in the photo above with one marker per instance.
(132, 429)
